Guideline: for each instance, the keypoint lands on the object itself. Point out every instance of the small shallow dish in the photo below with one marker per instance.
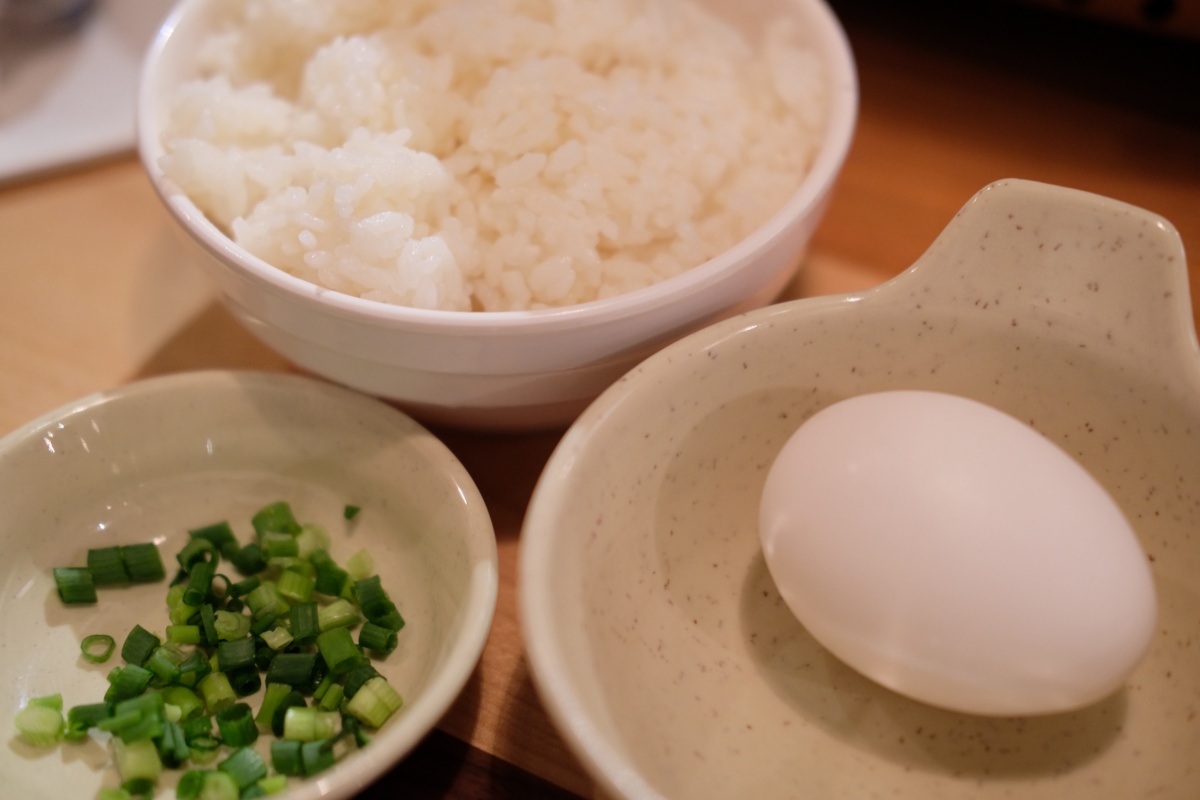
(655, 634)
(154, 458)
(515, 369)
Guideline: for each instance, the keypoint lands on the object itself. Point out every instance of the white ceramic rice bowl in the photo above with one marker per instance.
(504, 369)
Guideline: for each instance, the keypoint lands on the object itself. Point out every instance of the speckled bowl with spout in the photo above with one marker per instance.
(659, 641)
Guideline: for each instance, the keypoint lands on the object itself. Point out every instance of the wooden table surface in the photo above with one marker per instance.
(97, 291)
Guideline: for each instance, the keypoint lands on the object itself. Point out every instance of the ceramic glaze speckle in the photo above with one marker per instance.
(655, 634)
(151, 460)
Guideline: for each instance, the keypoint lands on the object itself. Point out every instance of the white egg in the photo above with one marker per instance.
(950, 552)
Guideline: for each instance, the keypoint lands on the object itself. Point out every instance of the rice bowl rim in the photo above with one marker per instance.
(829, 43)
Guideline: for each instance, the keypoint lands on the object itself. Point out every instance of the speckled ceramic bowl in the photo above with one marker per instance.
(148, 461)
(655, 634)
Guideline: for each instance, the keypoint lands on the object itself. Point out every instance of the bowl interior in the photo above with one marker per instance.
(149, 461)
(656, 634)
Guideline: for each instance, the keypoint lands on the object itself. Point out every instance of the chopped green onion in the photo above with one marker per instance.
(249, 560)
(245, 586)
(356, 677)
(236, 723)
(273, 695)
(230, 626)
(245, 680)
(143, 562)
(275, 518)
(128, 681)
(220, 785)
(360, 565)
(75, 585)
(138, 762)
(317, 756)
(97, 647)
(107, 566)
(264, 599)
(287, 757)
(279, 545)
(305, 622)
(338, 650)
(220, 534)
(187, 701)
(376, 605)
(273, 784)
(84, 717)
(374, 702)
(378, 638)
(40, 723)
(216, 691)
(293, 669)
(199, 581)
(234, 654)
(295, 586)
(246, 767)
(330, 578)
(173, 748)
(197, 551)
(332, 698)
(338, 614)
(350, 512)
(307, 724)
(183, 634)
(293, 700)
(277, 638)
(139, 644)
(191, 784)
(164, 663)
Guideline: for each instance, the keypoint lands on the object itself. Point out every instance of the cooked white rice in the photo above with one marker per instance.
(490, 154)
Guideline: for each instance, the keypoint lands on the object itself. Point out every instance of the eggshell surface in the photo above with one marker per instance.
(952, 553)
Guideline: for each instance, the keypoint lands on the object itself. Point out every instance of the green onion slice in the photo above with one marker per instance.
(97, 647)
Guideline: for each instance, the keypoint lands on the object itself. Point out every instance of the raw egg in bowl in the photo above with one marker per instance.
(658, 635)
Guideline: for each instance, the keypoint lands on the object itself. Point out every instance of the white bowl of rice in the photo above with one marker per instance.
(487, 211)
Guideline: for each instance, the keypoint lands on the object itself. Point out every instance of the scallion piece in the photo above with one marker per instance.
(286, 757)
(164, 663)
(230, 626)
(75, 585)
(199, 581)
(264, 599)
(191, 784)
(183, 634)
(331, 579)
(276, 517)
(236, 723)
(262, 623)
(84, 717)
(41, 724)
(126, 682)
(305, 622)
(317, 756)
(246, 766)
(143, 562)
(245, 680)
(356, 677)
(139, 644)
(249, 560)
(361, 564)
(277, 638)
(377, 638)
(376, 605)
(220, 785)
(220, 534)
(188, 702)
(234, 654)
(139, 764)
(350, 512)
(338, 650)
(332, 698)
(107, 566)
(273, 784)
(293, 699)
(338, 614)
(245, 586)
(97, 647)
(196, 551)
(293, 669)
(295, 586)
(374, 702)
(307, 724)
(273, 695)
(216, 691)
(173, 748)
